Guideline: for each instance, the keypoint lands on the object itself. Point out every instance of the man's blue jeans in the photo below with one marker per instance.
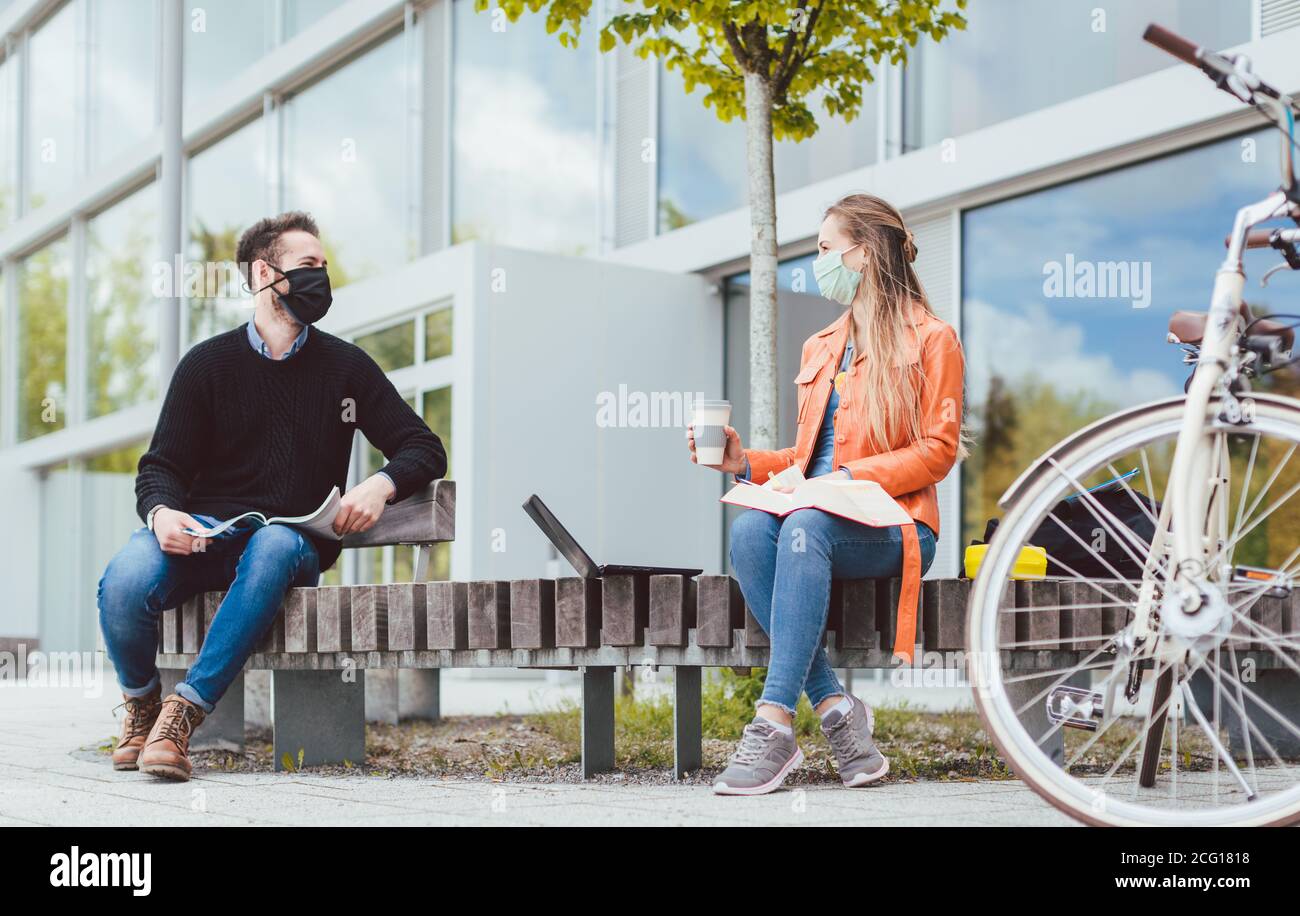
(257, 566)
(785, 567)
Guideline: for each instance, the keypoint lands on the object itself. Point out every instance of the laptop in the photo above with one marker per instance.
(572, 551)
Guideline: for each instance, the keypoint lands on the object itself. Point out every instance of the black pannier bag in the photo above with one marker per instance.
(1127, 505)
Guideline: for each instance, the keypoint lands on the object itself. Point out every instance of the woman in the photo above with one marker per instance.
(880, 398)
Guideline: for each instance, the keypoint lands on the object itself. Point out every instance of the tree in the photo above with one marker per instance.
(761, 60)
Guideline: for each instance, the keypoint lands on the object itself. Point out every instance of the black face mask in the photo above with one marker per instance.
(309, 296)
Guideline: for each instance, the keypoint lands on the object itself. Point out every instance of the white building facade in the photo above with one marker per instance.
(545, 248)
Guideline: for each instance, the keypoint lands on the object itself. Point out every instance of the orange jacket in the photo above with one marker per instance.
(908, 470)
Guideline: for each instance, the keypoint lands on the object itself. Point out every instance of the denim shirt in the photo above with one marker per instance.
(258, 344)
(824, 451)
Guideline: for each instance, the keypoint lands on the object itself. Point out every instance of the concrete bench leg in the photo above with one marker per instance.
(393, 694)
(1035, 719)
(320, 714)
(1275, 686)
(419, 693)
(223, 729)
(597, 720)
(381, 695)
(688, 733)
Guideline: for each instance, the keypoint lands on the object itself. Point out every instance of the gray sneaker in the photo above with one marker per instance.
(856, 755)
(761, 762)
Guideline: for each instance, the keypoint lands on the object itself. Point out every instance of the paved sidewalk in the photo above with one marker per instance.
(47, 777)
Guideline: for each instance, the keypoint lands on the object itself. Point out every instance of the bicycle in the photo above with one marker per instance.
(1193, 630)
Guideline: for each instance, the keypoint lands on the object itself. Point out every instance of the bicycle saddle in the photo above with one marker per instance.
(1189, 328)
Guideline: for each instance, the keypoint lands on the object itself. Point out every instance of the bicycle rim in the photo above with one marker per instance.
(1084, 787)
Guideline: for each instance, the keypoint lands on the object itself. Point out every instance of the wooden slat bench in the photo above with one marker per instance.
(316, 709)
(326, 638)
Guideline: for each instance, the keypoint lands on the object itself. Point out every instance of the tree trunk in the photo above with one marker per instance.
(762, 262)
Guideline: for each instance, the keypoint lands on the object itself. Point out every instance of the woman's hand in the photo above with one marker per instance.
(733, 456)
(841, 474)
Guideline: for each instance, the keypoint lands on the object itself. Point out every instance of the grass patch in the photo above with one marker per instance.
(920, 745)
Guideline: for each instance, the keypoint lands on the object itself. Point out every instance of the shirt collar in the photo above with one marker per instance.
(259, 345)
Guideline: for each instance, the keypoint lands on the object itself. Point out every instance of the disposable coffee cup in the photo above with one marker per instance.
(711, 418)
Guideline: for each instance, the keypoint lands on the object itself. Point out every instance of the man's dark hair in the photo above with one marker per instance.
(262, 239)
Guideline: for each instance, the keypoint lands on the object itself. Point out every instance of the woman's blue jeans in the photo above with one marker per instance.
(785, 567)
(257, 565)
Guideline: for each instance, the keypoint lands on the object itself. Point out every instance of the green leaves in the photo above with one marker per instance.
(831, 47)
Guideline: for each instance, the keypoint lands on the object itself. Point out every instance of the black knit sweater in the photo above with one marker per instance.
(239, 432)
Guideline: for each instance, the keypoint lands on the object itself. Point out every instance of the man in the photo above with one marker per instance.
(260, 418)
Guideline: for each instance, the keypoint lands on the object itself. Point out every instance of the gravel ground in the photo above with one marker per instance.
(517, 749)
(542, 749)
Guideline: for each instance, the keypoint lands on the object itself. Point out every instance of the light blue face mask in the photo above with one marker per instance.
(834, 279)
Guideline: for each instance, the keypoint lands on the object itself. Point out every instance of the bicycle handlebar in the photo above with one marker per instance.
(1173, 44)
(1232, 73)
(1263, 238)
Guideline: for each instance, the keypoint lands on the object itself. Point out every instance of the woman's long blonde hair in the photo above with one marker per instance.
(884, 321)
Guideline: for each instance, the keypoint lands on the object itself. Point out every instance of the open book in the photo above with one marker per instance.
(863, 501)
(320, 523)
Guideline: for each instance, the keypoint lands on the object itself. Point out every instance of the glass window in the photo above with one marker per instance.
(303, 14)
(51, 108)
(8, 133)
(801, 312)
(437, 416)
(4, 314)
(217, 218)
(107, 519)
(437, 334)
(392, 348)
(65, 610)
(123, 65)
(525, 159)
(221, 39)
(1045, 355)
(1016, 56)
(702, 160)
(344, 162)
(371, 560)
(121, 313)
(43, 341)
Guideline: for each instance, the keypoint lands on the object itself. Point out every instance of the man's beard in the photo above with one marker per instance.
(283, 313)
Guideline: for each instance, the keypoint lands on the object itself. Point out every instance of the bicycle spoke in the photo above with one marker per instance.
(1152, 715)
(1106, 518)
(1064, 677)
(1245, 487)
(1214, 740)
(1039, 675)
(1239, 533)
(1239, 708)
(1249, 494)
(1146, 510)
(1269, 636)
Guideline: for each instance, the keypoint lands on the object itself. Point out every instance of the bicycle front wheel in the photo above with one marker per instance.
(1206, 732)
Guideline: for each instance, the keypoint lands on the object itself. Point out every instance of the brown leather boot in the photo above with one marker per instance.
(141, 713)
(166, 751)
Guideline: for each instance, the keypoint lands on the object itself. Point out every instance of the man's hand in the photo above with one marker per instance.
(169, 528)
(361, 506)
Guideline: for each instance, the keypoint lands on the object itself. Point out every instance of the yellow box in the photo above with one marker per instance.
(1031, 564)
